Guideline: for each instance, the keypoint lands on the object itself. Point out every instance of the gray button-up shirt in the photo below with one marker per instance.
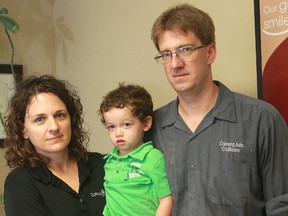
(235, 163)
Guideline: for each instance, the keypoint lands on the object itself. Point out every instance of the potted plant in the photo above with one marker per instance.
(9, 25)
(12, 26)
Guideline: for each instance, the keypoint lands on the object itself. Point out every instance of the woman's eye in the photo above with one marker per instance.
(39, 120)
(60, 115)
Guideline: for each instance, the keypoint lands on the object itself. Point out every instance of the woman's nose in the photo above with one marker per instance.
(53, 125)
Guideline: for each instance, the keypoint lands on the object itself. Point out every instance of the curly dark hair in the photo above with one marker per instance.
(19, 151)
(135, 97)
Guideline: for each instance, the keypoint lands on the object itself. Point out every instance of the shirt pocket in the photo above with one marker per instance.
(229, 185)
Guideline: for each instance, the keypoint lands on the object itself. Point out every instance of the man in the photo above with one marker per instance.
(226, 153)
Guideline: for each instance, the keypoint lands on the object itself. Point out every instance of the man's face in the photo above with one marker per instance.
(189, 75)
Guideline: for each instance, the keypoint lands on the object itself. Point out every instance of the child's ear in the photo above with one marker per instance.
(147, 123)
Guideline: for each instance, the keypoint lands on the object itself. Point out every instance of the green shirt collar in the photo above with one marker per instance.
(138, 153)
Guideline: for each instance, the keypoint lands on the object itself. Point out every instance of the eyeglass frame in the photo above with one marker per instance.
(193, 49)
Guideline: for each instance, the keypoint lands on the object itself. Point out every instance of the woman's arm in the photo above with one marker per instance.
(21, 197)
(20, 201)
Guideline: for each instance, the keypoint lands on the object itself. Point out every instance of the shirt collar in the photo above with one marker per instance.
(138, 153)
(225, 105)
(224, 108)
(43, 174)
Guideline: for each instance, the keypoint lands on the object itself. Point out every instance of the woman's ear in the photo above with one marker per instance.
(25, 136)
(147, 123)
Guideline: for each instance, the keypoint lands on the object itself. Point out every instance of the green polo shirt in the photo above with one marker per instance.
(134, 182)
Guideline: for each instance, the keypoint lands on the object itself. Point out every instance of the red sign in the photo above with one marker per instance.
(271, 21)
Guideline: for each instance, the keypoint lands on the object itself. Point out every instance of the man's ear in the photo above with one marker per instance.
(147, 123)
(211, 53)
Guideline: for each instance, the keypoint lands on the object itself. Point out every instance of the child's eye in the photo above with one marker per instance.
(110, 127)
(127, 125)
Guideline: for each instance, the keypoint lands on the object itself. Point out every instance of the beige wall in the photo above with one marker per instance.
(96, 44)
(34, 44)
(34, 47)
(111, 43)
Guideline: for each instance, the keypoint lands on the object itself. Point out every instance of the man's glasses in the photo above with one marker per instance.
(184, 53)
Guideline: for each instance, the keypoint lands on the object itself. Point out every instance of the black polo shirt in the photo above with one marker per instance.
(36, 191)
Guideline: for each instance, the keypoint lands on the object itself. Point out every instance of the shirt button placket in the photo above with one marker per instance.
(192, 168)
(119, 162)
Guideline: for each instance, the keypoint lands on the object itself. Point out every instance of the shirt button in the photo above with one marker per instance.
(191, 196)
(81, 200)
(117, 171)
(192, 167)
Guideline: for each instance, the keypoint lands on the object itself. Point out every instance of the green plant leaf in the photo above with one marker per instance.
(10, 24)
(3, 10)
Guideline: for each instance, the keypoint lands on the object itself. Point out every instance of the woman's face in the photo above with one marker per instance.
(47, 124)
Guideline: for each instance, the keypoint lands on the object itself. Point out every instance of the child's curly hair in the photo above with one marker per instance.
(135, 97)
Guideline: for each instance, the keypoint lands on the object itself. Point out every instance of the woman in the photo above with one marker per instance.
(53, 174)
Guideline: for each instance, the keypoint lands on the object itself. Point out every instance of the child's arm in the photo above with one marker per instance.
(165, 206)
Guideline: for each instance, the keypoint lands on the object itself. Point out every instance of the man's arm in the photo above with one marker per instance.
(274, 162)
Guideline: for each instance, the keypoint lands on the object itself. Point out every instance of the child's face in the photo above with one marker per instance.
(125, 130)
